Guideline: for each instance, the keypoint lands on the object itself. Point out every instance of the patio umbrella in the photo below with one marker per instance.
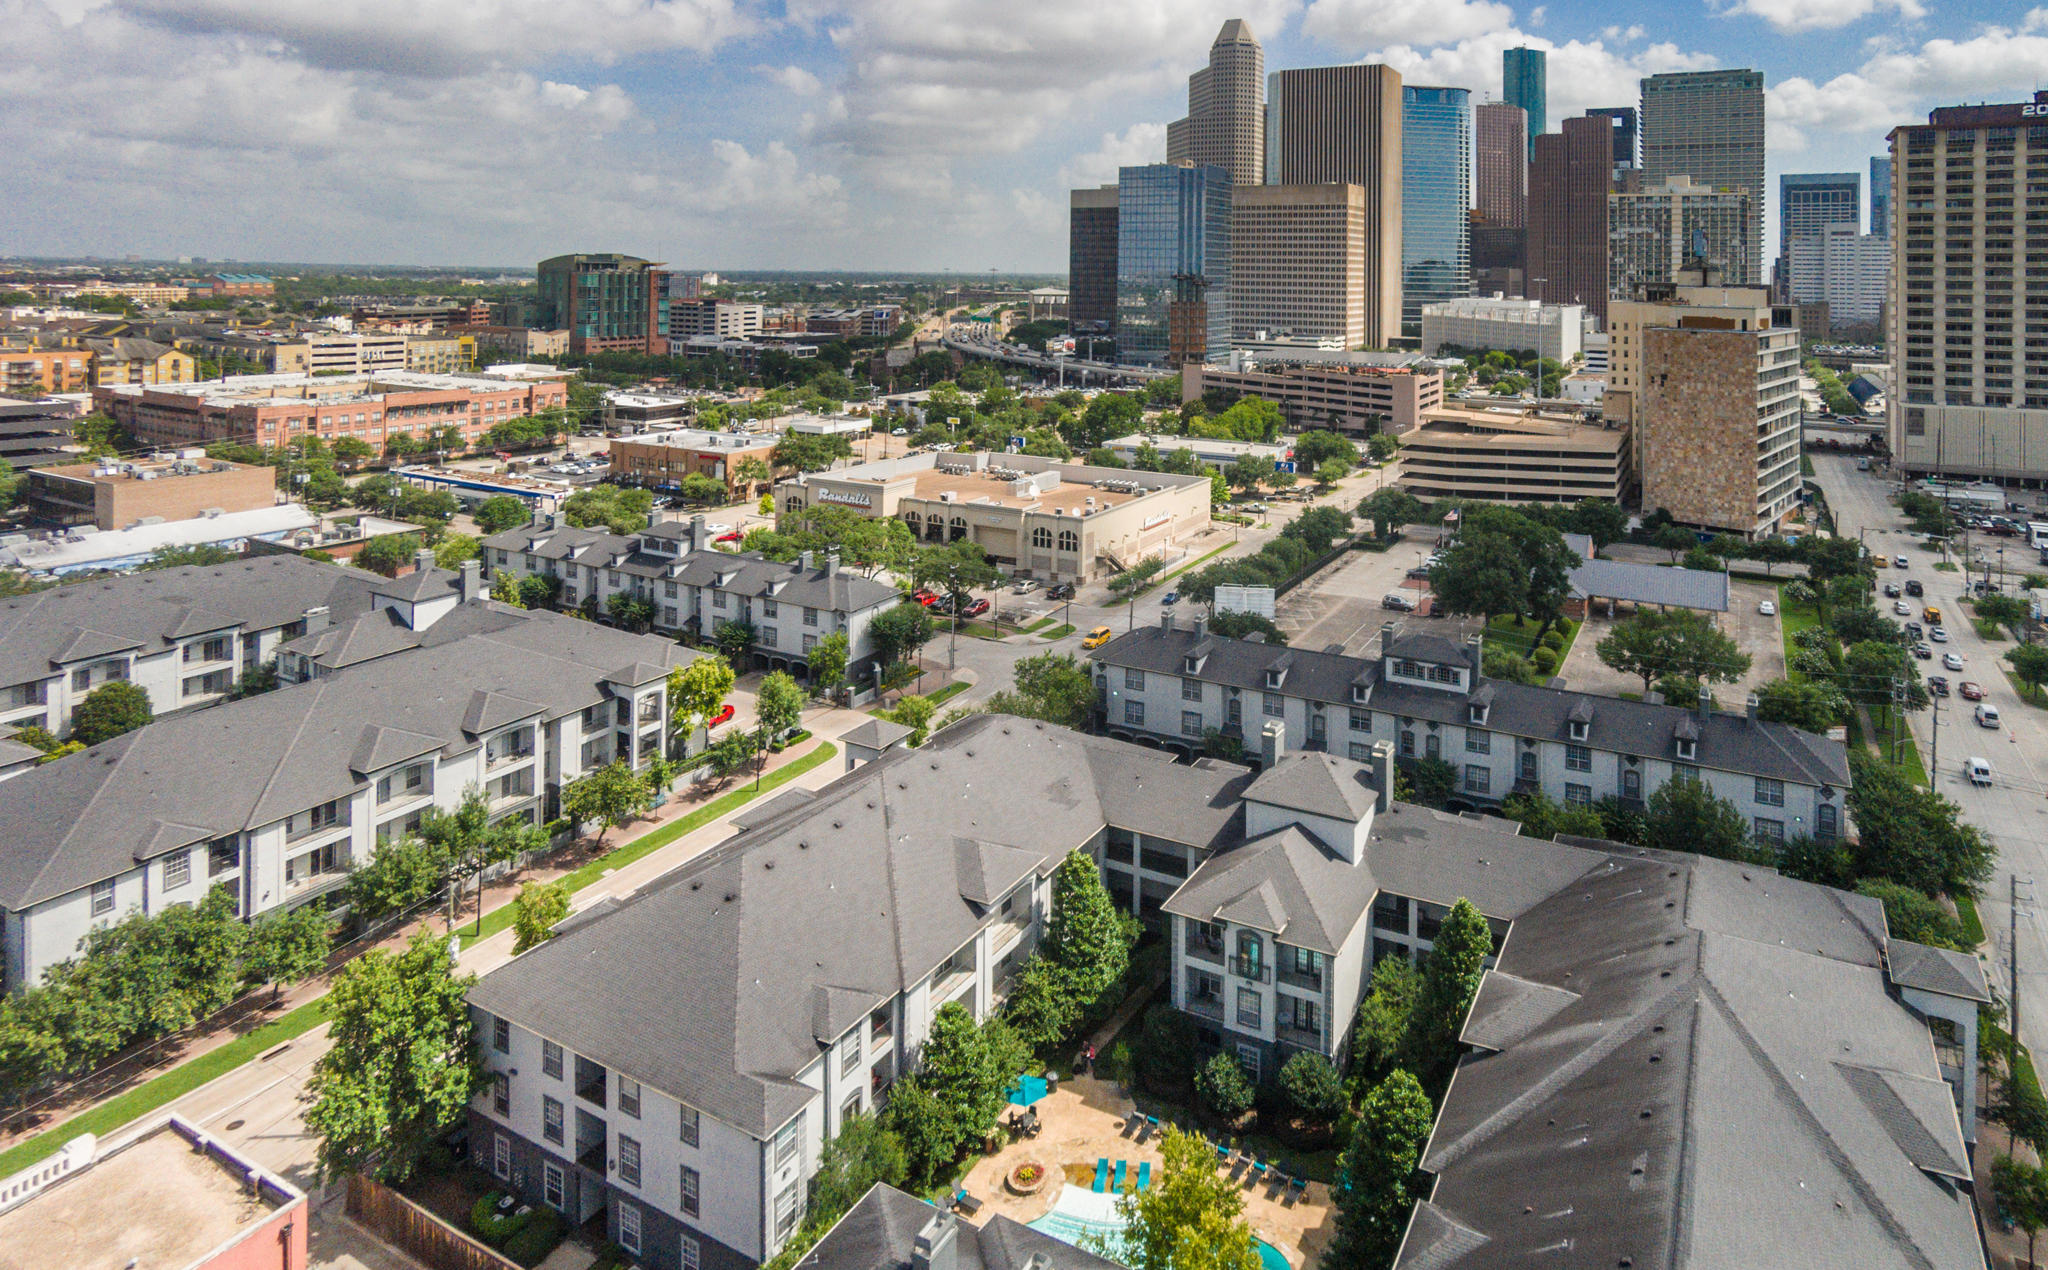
(1026, 1090)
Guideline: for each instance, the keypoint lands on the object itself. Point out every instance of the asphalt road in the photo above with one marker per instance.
(2012, 811)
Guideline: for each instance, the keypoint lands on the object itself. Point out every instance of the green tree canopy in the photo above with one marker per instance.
(1315, 448)
(1686, 815)
(287, 947)
(536, 911)
(696, 691)
(388, 554)
(1055, 687)
(1382, 1022)
(1815, 707)
(1223, 1087)
(1450, 977)
(610, 796)
(1912, 836)
(1390, 508)
(1379, 1172)
(1656, 644)
(109, 710)
(1190, 1218)
(778, 704)
(497, 514)
(901, 631)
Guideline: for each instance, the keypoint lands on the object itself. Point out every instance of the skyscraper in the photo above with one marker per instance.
(1627, 134)
(1091, 259)
(1523, 82)
(1297, 264)
(1226, 120)
(1342, 124)
(1173, 264)
(1651, 233)
(607, 302)
(1809, 202)
(1436, 199)
(1501, 130)
(1568, 184)
(1709, 125)
(1880, 196)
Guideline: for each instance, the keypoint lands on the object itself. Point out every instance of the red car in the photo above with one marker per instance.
(1969, 691)
(926, 598)
(975, 609)
(734, 536)
(724, 715)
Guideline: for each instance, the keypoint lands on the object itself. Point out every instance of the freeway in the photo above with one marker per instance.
(1018, 355)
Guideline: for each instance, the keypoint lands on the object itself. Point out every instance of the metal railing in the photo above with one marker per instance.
(1248, 968)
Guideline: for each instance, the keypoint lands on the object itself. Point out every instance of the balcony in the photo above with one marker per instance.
(1299, 1037)
(301, 829)
(1006, 933)
(1206, 1008)
(591, 1154)
(1309, 977)
(1204, 948)
(951, 977)
(505, 758)
(590, 1081)
(1248, 968)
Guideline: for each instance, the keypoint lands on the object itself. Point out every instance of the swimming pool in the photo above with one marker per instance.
(1080, 1213)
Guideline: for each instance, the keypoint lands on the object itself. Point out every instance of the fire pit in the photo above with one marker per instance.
(1028, 1178)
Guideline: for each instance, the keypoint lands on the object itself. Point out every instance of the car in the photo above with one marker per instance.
(1913, 587)
(1398, 602)
(1025, 586)
(899, 432)
(1978, 770)
(1899, 562)
(716, 527)
(1256, 507)
(1170, 598)
(1060, 591)
(975, 609)
(1881, 562)
(1767, 608)
(724, 715)
(1923, 652)
(1939, 634)
(1914, 631)
(924, 597)
(1949, 661)
(1987, 715)
(1891, 589)
(1096, 638)
(1420, 572)
(1938, 685)
(1969, 691)
(734, 536)
(1901, 608)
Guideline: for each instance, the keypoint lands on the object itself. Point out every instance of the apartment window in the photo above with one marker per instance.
(1191, 723)
(810, 617)
(1433, 746)
(102, 898)
(1272, 704)
(222, 857)
(629, 1228)
(501, 1156)
(1478, 780)
(1249, 1007)
(1580, 794)
(1248, 1058)
(1578, 758)
(768, 637)
(1770, 793)
(693, 1253)
(1407, 743)
(1477, 742)
(551, 1060)
(788, 1139)
(177, 870)
(629, 1160)
(1360, 752)
(1764, 830)
(551, 1119)
(551, 1181)
(849, 1056)
(501, 1035)
(629, 1098)
(785, 1211)
(1190, 690)
(1361, 720)
(501, 1093)
(1134, 713)
(1134, 679)
(1826, 822)
(690, 1125)
(693, 1186)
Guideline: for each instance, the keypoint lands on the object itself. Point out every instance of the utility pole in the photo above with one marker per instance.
(2012, 949)
(1934, 727)
(1898, 714)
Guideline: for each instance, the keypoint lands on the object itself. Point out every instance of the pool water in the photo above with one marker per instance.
(1076, 1228)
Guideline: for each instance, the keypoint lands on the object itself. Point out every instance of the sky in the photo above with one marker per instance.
(884, 135)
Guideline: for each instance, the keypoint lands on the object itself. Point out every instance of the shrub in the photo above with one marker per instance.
(531, 1246)
(1223, 1087)
(493, 1227)
(1118, 1066)
(1166, 1050)
(1312, 1087)
(1554, 642)
(1545, 661)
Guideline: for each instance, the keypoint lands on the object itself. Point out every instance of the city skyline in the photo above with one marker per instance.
(807, 135)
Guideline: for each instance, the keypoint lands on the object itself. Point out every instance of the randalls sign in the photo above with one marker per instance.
(845, 496)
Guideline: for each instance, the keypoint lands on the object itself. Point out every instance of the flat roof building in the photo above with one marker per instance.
(1501, 148)
(1653, 231)
(1091, 258)
(607, 302)
(1209, 451)
(1566, 260)
(1297, 263)
(1709, 125)
(119, 493)
(1172, 264)
(1226, 120)
(1547, 330)
(1524, 76)
(1515, 456)
(660, 460)
(1436, 199)
(1360, 400)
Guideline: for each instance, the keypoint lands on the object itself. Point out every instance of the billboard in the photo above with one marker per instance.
(1245, 599)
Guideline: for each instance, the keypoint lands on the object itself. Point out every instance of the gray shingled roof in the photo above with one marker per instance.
(1286, 884)
(1939, 970)
(1703, 589)
(879, 1232)
(1317, 783)
(747, 573)
(1731, 742)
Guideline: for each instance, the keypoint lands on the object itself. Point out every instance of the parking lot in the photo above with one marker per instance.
(1342, 604)
(1754, 633)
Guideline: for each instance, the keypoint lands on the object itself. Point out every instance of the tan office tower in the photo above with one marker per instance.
(1342, 125)
(1968, 326)
(1709, 125)
(1501, 135)
(1297, 265)
(1226, 120)
(1707, 376)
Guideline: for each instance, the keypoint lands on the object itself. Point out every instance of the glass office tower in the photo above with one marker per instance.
(1436, 199)
(1173, 264)
(1524, 77)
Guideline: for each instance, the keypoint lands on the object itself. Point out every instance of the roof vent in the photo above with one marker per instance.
(730, 897)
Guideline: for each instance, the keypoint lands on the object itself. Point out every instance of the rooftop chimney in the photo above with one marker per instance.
(700, 537)
(318, 618)
(832, 563)
(423, 559)
(1201, 627)
(804, 559)
(1706, 705)
(470, 583)
(1751, 707)
(1166, 619)
(1474, 656)
(1272, 744)
(1383, 774)
(1386, 638)
(937, 1244)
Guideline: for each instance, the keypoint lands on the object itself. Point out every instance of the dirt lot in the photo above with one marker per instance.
(1754, 633)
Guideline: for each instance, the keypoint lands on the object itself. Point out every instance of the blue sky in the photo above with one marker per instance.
(804, 134)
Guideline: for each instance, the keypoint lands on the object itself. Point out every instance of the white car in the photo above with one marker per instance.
(1902, 608)
(1950, 661)
(1025, 586)
(716, 528)
(1978, 770)
(1938, 634)
(1767, 608)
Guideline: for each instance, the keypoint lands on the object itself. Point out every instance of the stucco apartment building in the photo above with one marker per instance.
(1359, 400)
(273, 410)
(1035, 517)
(130, 361)
(118, 493)
(683, 1098)
(660, 460)
(45, 369)
(427, 693)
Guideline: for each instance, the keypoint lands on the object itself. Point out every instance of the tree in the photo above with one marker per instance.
(629, 611)
(1129, 584)
(109, 710)
(1190, 1218)
(1382, 446)
(1912, 836)
(467, 842)
(204, 553)
(1677, 642)
(1481, 576)
(2006, 610)
(1544, 818)
(734, 640)
(1319, 527)
(808, 452)
(399, 1070)
(695, 692)
(401, 445)
(505, 589)
(1242, 625)
(1320, 446)
(965, 1069)
(1247, 471)
(2022, 1191)
(732, 752)
(1450, 977)
(1675, 540)
(1088, 940)
(611, 796)
(539, 591)
(399, 875)
(1313, 1087)
(499, 513)
(1055, 687)
(456, 550)
(900, 632)
(1378, 1172)
(863, 1153)
(1685, 815)
(1109, 415)
(1382, 1022)
(2030, 665)
(1330, 471)
(1910, 915)
(1389, 509)
(620, 511)
(353, 451)
(287, 947)
(388, 554)
(1603, 522)
(915, 712)
(1223, 1087)
(828, 661)
(536, 911)
(1815, 707)
(1431, 781)
(778, 704)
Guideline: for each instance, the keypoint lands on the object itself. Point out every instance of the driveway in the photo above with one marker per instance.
(1753, 633)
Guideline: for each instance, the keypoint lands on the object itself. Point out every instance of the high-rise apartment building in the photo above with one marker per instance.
(1091, 259)
(1809, 202)
(607, 302)
(1342, 125)
(1709, 125)
(1848, 273)
(1173, 264)
(1501, 163)
(1568, 184)
(1653, 232)
(1297, 264)
(1628, 153)
(1523, 82)
(1226, 119)
(1880, 196)
(1436, 199)
(1707, 376)
(1969, 320)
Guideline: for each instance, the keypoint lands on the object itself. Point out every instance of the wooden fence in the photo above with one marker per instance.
(412, 1229)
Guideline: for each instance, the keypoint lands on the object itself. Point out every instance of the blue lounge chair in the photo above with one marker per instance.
(1120, 1166)
(1144, 1174)
(1101, 1174)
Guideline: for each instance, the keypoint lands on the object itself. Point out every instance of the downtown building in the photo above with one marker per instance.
(607, 302)
(1709, 125)
(1653, 232)
(1173, 264)
(1226, 121)
(1568, 242)
(1809, 202)
(1436, 199)
(1524, 76)
(1500, 236)
(1968, 329)
(1848, 273)
(1091, 259)
(1297, 264)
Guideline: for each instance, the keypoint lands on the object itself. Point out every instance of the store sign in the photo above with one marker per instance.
(852, 498)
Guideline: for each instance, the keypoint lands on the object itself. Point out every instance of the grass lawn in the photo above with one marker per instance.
(1973, 925)
(1519, 635)
(1061, 631)
(1792, 619)
(938, 697)
(1987, 630)
(2031, 695)
(1908, 761)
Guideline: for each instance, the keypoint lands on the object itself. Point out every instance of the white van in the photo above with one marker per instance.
(1987, 715)
(1978, 770)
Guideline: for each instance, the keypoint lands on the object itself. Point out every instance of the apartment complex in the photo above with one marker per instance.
(1091, 258)
(1848, 274)
(1654, 231)
(1708, 377)
(1524, 83)
(118, 493)
(1516, 456)
(1969, 321)
(1500, 132)
(364, 354)
(132, 361)
(1342, 124)
(1172, 264)
(25, 370)
(1436, 199)
(1567, 244)
(273, 410)
(1297, 263)
(1709, 125)
(726, 319)
(445, 353)
(874, 321)
(234, 286)
(693, 589)
(607, 302)
(1035, 517)
(660, 460)
(1226, 121)
(1555, 331)
(1359, 400)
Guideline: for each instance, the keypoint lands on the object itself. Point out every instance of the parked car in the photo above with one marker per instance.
(1768, 608)
(1913, 587)
(1923, 652)
(1170, 598)
(734, 536)
(724, 715)
(1949, 661)
(976, 609)
(1419, 572)
(1025, 586)
(1987, 715)
(1969, 691)
(1938, 685)
(1060, 591)
(1398, 602)
(1880, 562)
(899, 432)
(1914, 631)
(1097, 637)
(1979, 770)
(924, 597)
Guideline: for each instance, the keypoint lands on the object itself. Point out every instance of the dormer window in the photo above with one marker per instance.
(1688, 749)
(1274, 678)
(1191, 665)
(1476, 713)
(1361, 694)
(1580, 727)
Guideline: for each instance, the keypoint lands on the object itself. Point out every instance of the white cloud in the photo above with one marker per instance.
(1355, 25)
(794, 79)
(1139, 143)
(1582, 73)
(1823, 15)
(1900, 85)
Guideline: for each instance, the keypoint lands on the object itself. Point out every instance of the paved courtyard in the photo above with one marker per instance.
(1753, 633)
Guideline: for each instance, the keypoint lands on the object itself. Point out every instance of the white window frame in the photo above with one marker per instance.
(178, 870)
(554, 1191)
(629, 1227)
(501, 1157)
(690, 1127)
(629, 1160)
(692, 1252)
(690, 1192)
